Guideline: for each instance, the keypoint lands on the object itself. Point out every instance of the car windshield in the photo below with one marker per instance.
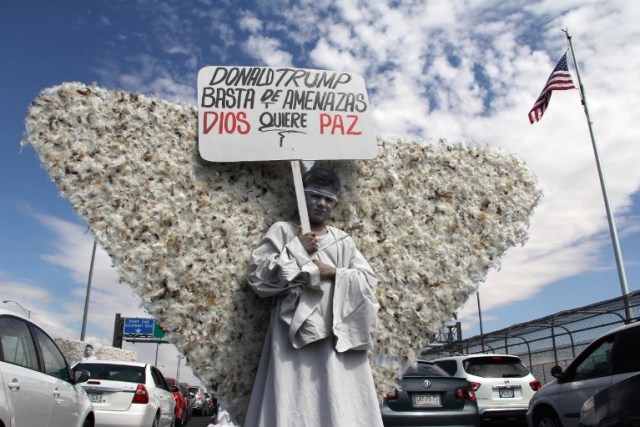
(425, 370)
(103, 371)
(495, 367)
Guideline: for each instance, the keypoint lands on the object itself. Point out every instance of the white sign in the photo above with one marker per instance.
(260, 113)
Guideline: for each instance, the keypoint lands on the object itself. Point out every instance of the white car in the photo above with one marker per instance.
(502, 384)
(37, 386)
(609, 359)
(128, 394)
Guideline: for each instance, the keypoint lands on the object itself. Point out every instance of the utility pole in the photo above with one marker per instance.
(86, 300)
(180, 357)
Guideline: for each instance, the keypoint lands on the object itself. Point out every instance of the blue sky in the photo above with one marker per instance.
(463, 71)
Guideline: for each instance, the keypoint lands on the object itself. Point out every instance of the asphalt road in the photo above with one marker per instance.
(198, 421)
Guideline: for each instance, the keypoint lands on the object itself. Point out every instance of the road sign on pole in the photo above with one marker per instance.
(157, 332)
(138, 326)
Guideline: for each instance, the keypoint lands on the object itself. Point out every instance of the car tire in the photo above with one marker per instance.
(546, 418)
(156, 421)
(88, 422)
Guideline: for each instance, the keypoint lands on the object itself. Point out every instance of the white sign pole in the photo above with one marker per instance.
(302, 202)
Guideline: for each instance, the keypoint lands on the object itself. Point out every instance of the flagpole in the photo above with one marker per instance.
(612, 227)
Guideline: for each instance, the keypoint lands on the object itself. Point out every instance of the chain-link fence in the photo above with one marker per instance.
(547, 341)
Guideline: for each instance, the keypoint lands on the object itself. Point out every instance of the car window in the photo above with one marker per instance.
(16, 344)
(625, 356)
(425, 370)
(448, 365)
(597, 363)
(495, 367)
(114, 372)
(54, 362)
(158, 379)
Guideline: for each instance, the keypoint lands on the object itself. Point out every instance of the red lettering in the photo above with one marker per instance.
(228, 122)
(354, 122)
(207, 126)
(242, 120)
(336, 124)
(325, 121)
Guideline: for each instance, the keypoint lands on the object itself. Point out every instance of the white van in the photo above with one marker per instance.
(608, 360)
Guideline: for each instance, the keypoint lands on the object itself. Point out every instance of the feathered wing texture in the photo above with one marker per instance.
(430, 218)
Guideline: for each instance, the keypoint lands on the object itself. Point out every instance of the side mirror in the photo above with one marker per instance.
(556, 372)
(175, 389)
(81, 375)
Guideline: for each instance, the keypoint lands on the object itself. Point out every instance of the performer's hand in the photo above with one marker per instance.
(326, 271)
(309, 240)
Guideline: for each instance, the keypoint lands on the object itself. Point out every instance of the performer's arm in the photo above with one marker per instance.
(280, 263)
(355, 305)
(326, 271)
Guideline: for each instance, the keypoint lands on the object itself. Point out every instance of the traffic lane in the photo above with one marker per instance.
(198, 421)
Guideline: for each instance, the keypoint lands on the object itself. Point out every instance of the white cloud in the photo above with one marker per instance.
(250, 23)
(330, 57)
(268, 51)
(105, 21)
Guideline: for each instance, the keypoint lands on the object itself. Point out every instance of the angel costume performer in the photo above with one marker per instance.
(314, 370)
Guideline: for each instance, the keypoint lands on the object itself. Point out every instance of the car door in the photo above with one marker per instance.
(586, 376)
(65, 410)
(164, 397)
(28, 398)
(625, 360)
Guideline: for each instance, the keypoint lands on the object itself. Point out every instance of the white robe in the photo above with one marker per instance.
(314, 370)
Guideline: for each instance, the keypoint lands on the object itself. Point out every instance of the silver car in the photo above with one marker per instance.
(606, 361)
(201, 405)
(37, 386)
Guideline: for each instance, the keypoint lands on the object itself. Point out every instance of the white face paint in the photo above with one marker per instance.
(320, 204)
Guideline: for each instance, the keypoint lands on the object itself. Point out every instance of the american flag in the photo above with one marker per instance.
(560, 79)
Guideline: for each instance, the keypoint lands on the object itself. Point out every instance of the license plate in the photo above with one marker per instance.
(505, 392)
(95, 397)
(426, 400)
